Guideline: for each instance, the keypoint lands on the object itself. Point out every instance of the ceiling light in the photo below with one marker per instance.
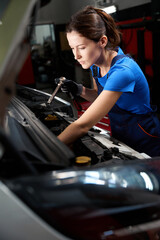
(110, 9)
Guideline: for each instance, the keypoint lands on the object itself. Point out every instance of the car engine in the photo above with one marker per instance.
(98, 147)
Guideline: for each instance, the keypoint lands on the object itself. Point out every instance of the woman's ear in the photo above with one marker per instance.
(103, 41)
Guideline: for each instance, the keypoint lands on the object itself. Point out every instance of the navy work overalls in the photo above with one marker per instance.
(139, 131)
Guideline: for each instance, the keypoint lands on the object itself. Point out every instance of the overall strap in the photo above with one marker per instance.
(95, 75)
(120, 56)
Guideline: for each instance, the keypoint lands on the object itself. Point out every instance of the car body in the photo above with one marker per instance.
(98, 189)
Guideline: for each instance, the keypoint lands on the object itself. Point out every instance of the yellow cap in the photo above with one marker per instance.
(51, 117)
(83, 160)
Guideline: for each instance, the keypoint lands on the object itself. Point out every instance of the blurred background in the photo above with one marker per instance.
(50, 56)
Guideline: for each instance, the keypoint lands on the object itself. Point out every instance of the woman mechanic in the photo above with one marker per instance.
(120, 88)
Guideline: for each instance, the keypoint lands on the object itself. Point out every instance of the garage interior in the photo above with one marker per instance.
(50, 56)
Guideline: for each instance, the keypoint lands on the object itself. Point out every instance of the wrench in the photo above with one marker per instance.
(61, 79)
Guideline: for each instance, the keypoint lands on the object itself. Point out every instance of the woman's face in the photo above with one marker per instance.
(86, 51)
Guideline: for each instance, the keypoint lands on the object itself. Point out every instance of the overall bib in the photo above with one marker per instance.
(139, 131)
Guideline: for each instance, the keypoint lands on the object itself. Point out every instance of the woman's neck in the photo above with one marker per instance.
(105, 64)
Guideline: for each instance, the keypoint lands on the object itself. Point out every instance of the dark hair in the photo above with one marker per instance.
(93, 23)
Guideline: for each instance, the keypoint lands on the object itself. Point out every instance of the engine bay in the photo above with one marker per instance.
(98, 146)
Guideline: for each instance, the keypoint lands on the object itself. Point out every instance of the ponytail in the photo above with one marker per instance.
(111, 29)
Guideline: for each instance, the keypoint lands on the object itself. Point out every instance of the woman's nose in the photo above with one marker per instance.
(76, 54)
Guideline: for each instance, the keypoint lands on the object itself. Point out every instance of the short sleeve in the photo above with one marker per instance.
(121, 80)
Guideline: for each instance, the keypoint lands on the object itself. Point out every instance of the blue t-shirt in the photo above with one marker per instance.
(127, 77)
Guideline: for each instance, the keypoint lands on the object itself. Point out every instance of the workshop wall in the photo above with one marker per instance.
(59, 11)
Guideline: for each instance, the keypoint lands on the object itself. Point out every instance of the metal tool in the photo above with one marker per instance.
(61, 79)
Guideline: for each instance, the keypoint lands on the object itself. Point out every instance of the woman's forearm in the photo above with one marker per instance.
(97, 110)
(72, 132)
(76, 130)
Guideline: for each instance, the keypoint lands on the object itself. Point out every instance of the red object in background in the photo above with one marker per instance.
(104, 123)
(148, 43)
(130, 45)
(26, 76)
